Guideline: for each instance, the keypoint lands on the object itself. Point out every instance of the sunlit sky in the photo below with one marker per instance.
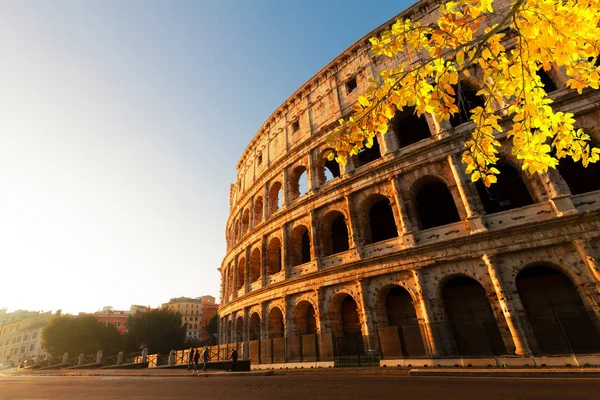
(121, 123)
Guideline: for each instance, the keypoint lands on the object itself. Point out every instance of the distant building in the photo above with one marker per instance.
(195, 313)
(113, 317)
(21, 335)
(135, 308)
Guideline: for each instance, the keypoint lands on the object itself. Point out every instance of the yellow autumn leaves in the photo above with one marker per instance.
(471, 37)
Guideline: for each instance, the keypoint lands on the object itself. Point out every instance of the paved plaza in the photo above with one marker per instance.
(315, 385)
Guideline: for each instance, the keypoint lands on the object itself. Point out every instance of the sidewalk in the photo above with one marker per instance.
(149, 372)
(509, 372)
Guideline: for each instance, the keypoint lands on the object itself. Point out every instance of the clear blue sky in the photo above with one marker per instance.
(121, 123)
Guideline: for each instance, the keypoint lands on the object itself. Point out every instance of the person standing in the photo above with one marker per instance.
(234, 357)
(191, 359)
(204, 358)
(196, 359)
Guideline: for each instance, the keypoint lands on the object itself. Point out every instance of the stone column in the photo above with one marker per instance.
(425, 314)
(285, 251)
(285, 188)
(367, 321)
(251, 221)
(235, 277)
(247, 270)
(246, 334)
(263, 260)
(312, 173)
(405, 227)
(559, 193)
(520, 330)
(315, 247)
(467, 195)
(353, 231)
(585, 252)
(266, 202)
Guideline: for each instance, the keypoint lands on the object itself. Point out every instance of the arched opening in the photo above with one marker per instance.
(410, 128)
(254, 327)
(367, 155)
(258, 210)
(471, 318)
(508, 193)
(346, 327)
(300, 245)
(556, 313)
(305, 321)
(334, 233)
(239, 330)
(241, 273)
(435, 205)
(255, 263)
(298, 183)
(229, 337)
(580, 179)
(236, 230)
(275, 198)
(381, 220)
(274, 256)
(547, 81)
(275, 323)
(231, 276)
(466, 100)
(245, 221)
(400, 313)
(327, 169)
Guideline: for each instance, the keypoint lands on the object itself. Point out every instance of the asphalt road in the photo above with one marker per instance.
(301, 386)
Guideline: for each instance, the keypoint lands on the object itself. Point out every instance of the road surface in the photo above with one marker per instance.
(294, 386)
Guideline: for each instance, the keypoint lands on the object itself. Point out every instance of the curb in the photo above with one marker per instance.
(507, 373)
(141, 374)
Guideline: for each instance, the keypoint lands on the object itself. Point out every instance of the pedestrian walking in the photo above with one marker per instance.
(234, 357)
(204, 358)
(191, 359)
(196, 359)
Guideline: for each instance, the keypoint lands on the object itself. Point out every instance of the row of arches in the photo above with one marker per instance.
(553, 307)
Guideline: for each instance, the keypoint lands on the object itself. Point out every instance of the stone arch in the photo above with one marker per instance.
(274, 256)
(298, 182)
(254, 327)
(300, 245)
(245, 221)
(276, 320)
(378, 218)
(258, 210)
(555, 310)
(334, 233)
(578, 178)
(229, 337)
(305, 318)
(395, 308)
(239, 329)
(466, 100)
(434, 203)
(327, 169)
(367, 155)
(470, 317)
(236, 230)
(345, 318)
(508, 193)
(275, 197)
(409, 128)
(255, 265)
(241, 273)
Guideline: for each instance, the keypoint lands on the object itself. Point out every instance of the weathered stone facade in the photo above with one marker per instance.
(400, 237)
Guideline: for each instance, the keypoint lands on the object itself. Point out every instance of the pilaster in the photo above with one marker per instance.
(467, 196)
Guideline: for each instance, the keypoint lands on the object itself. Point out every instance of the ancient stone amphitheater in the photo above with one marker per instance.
(397, 255)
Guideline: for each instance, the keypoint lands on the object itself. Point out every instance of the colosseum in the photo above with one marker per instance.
(397, 257)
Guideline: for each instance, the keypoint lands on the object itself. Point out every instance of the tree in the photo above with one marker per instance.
(159, 330)
(77, 335)
(470, 36)
(212, 328)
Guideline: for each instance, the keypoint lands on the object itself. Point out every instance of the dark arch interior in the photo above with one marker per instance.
(401, 314)
(241, 273)
(366, 155)
(549, 85)
(300, 246)
(471, 318)
(274, 256)
(339, 235)
(305, 319)
(410, 128)
(305, 247)
(559, 320)
(579, 178)
(466, 100)
(333, 167)
(435, 205)
(254, 327)
(381, 221)
(275, 323)
(349, 315)
(508, 193)
(255, 266)
(239, 330)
